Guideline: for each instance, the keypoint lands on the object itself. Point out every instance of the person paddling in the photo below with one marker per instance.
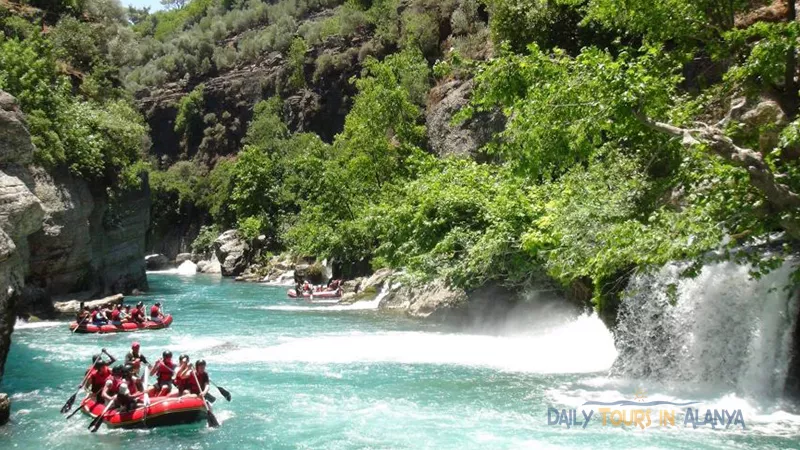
(155, 313)
(183, 374)
(115, 316)
(135, 358)
(98, 374)
(201, 377)
(111, 386)
(163, 368)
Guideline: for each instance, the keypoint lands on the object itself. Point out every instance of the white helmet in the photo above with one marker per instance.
(123, 389)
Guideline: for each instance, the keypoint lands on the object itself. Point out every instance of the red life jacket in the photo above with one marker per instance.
(134, 312)
(202, 378)
(115, 315)
(164, 372)
(94, 315)
(154, 311)
(98, 378)
(114, 388)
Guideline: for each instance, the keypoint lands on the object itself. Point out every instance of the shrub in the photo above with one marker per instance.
(204, 242)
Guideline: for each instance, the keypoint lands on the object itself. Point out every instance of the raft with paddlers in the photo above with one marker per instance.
(122, 327)
(163, 411)
(318, 294)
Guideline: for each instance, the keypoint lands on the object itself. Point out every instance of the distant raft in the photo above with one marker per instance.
(163, 411)
(316, 295)
(127, 326)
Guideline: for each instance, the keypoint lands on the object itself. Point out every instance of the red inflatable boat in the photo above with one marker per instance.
(318, 295)
(127, 326)
(163, 411)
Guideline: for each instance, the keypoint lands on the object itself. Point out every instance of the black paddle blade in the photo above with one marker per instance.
(73, 413)
(211, 398)
(224, 393)
(95, 424)
(212, 420)
(67, 406)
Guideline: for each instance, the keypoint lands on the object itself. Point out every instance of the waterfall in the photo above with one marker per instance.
(722, 328)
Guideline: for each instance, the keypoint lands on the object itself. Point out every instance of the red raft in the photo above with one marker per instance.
(127, 326)
(317, 295)
(163, 411)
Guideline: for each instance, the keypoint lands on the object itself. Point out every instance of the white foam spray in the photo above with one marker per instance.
(725, 329)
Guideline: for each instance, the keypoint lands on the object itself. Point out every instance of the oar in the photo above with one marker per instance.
(79, 408)
(222, 391)
(212, 420)
(79, 325)
(97, 421)
(68, 405)
(145, 398)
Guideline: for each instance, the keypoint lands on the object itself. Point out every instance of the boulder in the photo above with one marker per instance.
(15, 141)
(183, 257)
(352, 285)
(187, 268)
(5, 408)
(376, 281)
(232, 252)
(210, 266)
(432, 300)
(156, 262)
(71, 307)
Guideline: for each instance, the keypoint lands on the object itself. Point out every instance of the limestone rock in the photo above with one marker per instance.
(434, 299)
(464, 139)
(210, 266)
(352, 285)
(156, 262)
(5, 409)
(71, 307)
(231, 251)
(183, 257)
(374, 284)
(15, 141)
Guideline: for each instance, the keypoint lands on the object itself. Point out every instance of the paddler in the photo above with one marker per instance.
(111, 387)
(155, 312)
(98, 374)
(135, 358)
(131, 378)
(183, 374)
(164, 368)
(201, 376)
(123, 401)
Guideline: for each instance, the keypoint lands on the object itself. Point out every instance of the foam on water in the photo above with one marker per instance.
(586, 339)
(23, 325)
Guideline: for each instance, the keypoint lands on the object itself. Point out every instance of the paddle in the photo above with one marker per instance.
(79, 325)
(77, 410)
(97, 421)
(68, 405)
(212, 420)
(222, 391)
(211, 398)
(145, 397)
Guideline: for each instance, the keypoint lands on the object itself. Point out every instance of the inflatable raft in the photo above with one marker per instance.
(163, 411)
(316, 295)
(128, 326)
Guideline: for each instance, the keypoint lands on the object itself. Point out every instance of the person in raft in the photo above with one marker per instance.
(164, 368)
(155, 313)
(202, 377)
(124, 401)
(97, 317)
(131, 378)
(183, 374)
(116, 320)
(98, 374)
(135, 358)
(111, 387)
(83, 314)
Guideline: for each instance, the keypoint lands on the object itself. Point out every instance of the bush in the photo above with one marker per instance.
(204, 242)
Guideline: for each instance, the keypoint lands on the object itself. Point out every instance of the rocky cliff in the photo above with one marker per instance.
(60, 234)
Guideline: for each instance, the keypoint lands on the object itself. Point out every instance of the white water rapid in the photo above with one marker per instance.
(722, 329)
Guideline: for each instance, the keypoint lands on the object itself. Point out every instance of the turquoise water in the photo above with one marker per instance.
(315, 376)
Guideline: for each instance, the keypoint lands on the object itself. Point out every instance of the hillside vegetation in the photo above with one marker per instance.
(635, 132)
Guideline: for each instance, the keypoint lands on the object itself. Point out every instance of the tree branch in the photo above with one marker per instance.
(779, 195)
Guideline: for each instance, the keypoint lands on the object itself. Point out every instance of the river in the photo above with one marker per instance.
(316, 376)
